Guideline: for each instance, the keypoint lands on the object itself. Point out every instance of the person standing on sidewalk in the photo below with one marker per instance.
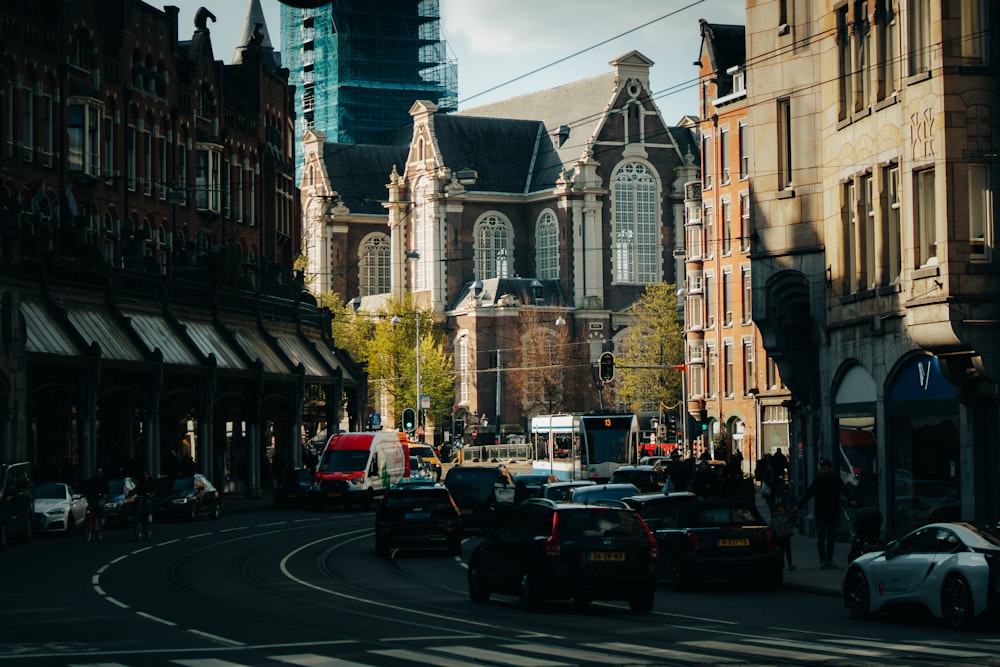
(827, 488)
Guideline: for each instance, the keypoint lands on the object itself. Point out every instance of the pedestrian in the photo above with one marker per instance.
(782, 523)
(827, 488)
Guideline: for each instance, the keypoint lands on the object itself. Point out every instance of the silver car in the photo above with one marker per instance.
(58, 509)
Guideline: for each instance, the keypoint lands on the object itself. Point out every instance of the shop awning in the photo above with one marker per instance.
(296, 349)
(256, 347)
(157, 334)
(209, 340)
(45, 335)
(331, 359)
(97, 326)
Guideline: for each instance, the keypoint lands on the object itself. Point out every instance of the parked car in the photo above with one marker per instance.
(530, 485)
(118, 509)
(294, 487)
(17, 499)
(481, 493)
(418, 516)
(421, 470)
(591, 495)
(186, 498)
(949, 568)
(429, 456)
(718, 539)
(547, 550)
(645, 477)
(659, 510)
(58, 509)
(563, 491)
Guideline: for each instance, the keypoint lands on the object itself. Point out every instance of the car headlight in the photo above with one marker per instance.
(181, 501)
(358, 481)
(110, 506)
(58, 510)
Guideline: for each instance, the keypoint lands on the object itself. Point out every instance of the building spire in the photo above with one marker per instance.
(254, 18)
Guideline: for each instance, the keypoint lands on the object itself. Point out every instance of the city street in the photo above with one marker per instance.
(268, 587)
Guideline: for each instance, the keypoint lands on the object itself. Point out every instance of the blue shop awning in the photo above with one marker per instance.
(44, 333)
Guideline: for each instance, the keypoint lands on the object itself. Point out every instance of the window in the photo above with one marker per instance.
(749, 379)
(844, 61)
(727, 297)
(238, 193)
(887, 44)
(696, 351)
(161, 156)
(727, 351)
(744, 140)
(423, 210)
(862, 56)
(251, 196)
(130, 157)
(925, 223)
(980, 212)
(696, 382)
(711, 370)
(28, 125)
(493, 247)
(636, 229)
(462, 369)
(147, 162)
(724, 154)
(547, 247)
(892, 232)
(784, 144)
(727, 232)
(975, 32)
(866, 233)
(747, 304)
(706, 162)
(919, 55)
(83, 134)
(110, 154)
(375, 265)
(8, 117)
(227, 187)
(46, 130)
(849, 234)
(694, 314)
(773, 380)
(709, 223)
(709, 302)
(207, 177)
(694, 250)
(745, 230)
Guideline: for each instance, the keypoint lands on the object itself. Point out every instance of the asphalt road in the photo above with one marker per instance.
(275, 587)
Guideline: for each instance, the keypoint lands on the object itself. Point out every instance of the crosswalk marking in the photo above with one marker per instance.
(769, 651)
(500, 657)
(572, 653)
(810, 646)
(424, 658)
(917, 648)
(206, 662)
(313, 660)
(665, 653)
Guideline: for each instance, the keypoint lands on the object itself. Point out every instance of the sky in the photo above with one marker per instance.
(510, 48)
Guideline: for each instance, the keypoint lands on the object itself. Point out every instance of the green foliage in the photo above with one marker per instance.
(653, 345)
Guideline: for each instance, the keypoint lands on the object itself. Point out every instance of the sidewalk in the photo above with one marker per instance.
(807, 577)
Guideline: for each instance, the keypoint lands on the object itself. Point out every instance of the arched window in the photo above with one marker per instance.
(493, 247)
(374, 265)
(636, 232)
(547, 247)
(462, 370)
(423, 225)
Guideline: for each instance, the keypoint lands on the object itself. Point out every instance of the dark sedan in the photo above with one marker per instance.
(422, 516)
(294, 487)
(718, 540)
(186, 498)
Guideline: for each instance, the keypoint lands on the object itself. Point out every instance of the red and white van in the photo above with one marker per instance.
(355, 468)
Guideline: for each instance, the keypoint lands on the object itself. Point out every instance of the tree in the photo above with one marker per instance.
(652, 346)
(549, 372)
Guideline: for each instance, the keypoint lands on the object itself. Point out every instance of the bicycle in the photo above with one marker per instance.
(93, 523)
(143, 517)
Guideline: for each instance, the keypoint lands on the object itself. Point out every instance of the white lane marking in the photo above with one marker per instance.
(794, 643)
(313, 660)
(236, 529)
(413, 656)
(218, 638)
(499, 657)
(273, 523)
(116, 602)
(769, 651)
(156, 618)
(197, 535)
(418, 638)
(576, 654)
(916, 648)
(665, 653)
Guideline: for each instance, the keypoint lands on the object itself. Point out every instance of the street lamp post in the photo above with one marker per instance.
(414, 256)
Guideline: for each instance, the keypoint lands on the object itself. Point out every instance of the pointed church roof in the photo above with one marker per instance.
(254, 15)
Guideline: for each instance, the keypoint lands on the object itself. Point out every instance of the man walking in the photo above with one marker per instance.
(827, 488)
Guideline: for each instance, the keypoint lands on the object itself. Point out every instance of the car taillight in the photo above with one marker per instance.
(770, 539)
(654, 547)
(553, 547)
(691, 542)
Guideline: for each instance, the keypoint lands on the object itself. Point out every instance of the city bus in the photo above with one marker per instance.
(584, 445)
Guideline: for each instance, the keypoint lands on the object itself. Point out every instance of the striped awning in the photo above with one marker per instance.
(45, 334)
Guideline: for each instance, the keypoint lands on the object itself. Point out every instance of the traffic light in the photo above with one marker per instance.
(459, 429)
(409, 420)
(672, 431)
(607, 367)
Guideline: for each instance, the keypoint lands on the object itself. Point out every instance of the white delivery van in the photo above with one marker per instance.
(355, 468)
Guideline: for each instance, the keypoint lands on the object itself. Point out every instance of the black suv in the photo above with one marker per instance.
(481, 493)
(417, 515)
(17, 501)
(546, 550)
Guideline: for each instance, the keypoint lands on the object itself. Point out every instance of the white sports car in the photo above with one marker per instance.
(953, 569)
(58, 509)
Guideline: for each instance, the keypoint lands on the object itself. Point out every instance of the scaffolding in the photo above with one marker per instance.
(358, 66)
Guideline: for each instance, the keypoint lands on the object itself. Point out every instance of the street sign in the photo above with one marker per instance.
(425, 401)
(474, 434)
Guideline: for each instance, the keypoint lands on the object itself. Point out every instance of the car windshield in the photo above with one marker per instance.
(608, 493)
(344, 460)
(49, 491)
(599, 523)
(423, 452)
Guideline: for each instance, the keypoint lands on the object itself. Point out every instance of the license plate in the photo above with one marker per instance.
(607, 555)
(417, 515)
(735, 542)
(333, 494)
(466, 510)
